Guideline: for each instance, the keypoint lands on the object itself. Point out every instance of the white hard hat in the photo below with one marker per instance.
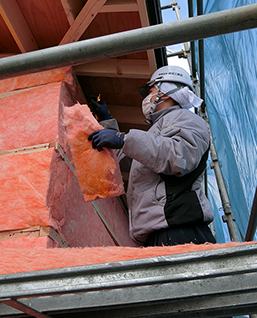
(169, 73)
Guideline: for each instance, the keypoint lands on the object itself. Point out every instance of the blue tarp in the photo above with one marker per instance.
(231, 99)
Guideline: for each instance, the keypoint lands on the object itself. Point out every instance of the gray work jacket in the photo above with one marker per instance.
(174, 145)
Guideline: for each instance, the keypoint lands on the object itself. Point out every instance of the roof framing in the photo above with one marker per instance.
(82, 21)
(17, 25)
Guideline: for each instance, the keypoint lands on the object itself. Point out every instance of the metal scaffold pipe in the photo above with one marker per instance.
(201, 54)
(186, 45)
(252, 224)
(228, 215)
(192, 44)
(200, 91)
(133, 41)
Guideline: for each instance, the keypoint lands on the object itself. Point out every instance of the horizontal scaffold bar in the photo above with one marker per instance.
(210, 283)
(133, 41)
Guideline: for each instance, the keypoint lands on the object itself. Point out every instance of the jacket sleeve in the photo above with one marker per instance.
(110, 124)
(174, 148)
(124, 161)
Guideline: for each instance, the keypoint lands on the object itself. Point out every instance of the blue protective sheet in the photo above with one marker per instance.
(231, 99)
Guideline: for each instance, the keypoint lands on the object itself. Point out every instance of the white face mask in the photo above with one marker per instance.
(146, 104)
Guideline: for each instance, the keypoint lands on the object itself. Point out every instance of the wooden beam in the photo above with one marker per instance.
(29, 232)
(72, 9)
(17, 25)
(68, 11)
(49, 231)
(119, 6)
(14, 303)
(127, 114)
(35, 231)
(2, 55)
(83, 20)
(16, 91)
(145, 22)
(127, 68)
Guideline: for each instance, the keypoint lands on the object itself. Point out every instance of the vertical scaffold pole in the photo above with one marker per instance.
(199, 86)
(228, 215)
(200, 91)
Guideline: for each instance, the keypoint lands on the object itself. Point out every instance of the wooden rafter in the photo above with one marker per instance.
(17, 25)
(122, 67)
(127, 68)
(145, 23)
(6, 54)
(83, 20)
(119, 6)
(71, 9)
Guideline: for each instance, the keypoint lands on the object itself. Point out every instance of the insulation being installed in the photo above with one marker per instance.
(28, 118)
(32, 259)
(98, 171)
(38, 188)
(41, 78)
(25, 180)
(25, 242)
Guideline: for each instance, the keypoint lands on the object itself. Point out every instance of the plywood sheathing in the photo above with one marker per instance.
(46, 20)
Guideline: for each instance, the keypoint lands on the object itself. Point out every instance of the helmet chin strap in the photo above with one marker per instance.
(156, 101)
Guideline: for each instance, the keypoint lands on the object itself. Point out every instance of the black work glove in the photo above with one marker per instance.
(107, 138)
(99, 108)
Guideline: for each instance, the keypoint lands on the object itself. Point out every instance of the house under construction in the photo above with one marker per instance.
(65, 248)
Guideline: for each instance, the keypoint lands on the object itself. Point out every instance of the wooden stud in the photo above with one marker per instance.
(35, 231)
(17, 25)
(83, 20)
(49, 231)
(27, 150)
(29, 232)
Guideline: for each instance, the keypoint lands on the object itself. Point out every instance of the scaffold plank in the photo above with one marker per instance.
(198, 284)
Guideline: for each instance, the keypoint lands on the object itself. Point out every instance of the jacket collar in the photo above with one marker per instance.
(154, 117)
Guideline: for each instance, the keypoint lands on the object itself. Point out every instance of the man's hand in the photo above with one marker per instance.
(99, 108)
(107, 138)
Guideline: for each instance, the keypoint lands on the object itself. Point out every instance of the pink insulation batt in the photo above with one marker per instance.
(24, 180)
(32, 259)
(30, 117)
(39, 189)
(64, 74)
(28, 242)
(98, 172)
(26, 121)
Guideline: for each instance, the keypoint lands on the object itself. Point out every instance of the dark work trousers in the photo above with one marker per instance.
(199, 234)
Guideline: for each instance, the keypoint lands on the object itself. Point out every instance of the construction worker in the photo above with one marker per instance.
(166, 203)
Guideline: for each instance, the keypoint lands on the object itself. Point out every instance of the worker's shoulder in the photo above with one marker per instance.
(186, 120)
(184, 115)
